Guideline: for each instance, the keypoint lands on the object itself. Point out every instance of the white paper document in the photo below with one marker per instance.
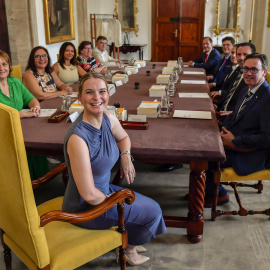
(193, 72)
(192, 114)
(43, 112)
(74, 94)
(193, 95)
(193, 82)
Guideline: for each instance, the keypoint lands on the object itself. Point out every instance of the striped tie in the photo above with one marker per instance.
(247, 98)
(231, 92)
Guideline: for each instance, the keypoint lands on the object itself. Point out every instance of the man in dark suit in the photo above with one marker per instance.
(225, 64)
(209, 60)
(247, 127)
(233, 86)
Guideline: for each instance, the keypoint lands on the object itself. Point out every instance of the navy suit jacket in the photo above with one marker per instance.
(251, 130)
(223, 72)
(212, 64)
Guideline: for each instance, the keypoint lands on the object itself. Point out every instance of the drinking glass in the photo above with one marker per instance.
(164, 107)
(171, 89)
(174, 76)
(180, 61)
(66, 102)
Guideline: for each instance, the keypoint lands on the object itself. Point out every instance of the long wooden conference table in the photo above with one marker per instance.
(173, 140)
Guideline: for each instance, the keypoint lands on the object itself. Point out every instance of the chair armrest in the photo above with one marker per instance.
(120, 197)
(232, 146)
(62, 167)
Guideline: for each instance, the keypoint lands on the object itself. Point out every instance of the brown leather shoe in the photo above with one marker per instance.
(208, 200)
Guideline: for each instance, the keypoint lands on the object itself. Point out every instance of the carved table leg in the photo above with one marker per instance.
(196, 201)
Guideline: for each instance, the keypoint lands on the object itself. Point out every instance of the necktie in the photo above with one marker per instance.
(247, 98)
(225, 59)
(206, 57)
(231, 92)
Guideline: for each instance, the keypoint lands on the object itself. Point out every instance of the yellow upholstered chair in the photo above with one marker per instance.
(40, 237)
(268, 77)
(227, 176)
(16, 72)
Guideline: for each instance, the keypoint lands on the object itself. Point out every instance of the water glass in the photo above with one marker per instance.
(131, 61)
(66, 102)
(122, 66)
(164, 107)
(174, 76)
(180, 61)
(171, 89)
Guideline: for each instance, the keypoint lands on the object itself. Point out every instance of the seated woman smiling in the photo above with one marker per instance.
(67, 68)
(13, 93)
(86, 60)
(91, 149)
(39, 77)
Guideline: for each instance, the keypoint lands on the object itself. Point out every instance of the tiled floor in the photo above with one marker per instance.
(231, 242)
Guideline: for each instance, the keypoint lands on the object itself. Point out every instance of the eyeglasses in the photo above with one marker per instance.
(88, 49)
(103, 43)
(38, 56)
(252, 70)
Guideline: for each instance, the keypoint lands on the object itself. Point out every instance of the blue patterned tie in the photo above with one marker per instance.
(246, 100)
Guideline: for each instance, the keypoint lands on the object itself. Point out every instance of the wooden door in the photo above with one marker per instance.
(4, 39)
(177, 29)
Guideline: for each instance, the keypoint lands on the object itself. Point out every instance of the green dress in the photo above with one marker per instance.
(19, 98)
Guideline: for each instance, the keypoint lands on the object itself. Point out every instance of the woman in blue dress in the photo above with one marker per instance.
(91, 149)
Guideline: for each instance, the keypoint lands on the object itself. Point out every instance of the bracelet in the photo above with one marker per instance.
(127, 153)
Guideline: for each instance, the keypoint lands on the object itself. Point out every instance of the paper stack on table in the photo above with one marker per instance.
(140, 63)
(120, 77)
(192, 114)
(172, 63)
(157, 90)
(162, 79)
(76, 107)
(149, 108)
(167, 70)
(132, 69)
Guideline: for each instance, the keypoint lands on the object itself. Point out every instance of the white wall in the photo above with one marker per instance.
(52, 48)
(143, 20)
(211, 21)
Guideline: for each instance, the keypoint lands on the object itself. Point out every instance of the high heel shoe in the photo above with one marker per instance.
(141, 259)
(140, 249)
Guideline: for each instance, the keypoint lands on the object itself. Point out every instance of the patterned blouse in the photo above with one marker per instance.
(88, 64)
(46, 81)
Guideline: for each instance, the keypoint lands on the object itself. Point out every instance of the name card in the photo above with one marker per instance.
(136, 118)
(193, 72)
(129, 72)
(72, 117)
(118, 83)
(138, 65)
(193, 95)
(192, 82)
(192, 114)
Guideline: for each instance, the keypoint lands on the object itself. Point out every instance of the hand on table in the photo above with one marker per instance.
(226, 135)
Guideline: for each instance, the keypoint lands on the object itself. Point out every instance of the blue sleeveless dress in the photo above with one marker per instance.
(143, 218)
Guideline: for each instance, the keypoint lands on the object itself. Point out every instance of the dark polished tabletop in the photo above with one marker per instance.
(170, 140)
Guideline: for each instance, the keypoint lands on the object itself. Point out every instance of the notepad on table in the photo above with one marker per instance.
(193, 95)
(193, 82)
(192, 114)
(171, 63)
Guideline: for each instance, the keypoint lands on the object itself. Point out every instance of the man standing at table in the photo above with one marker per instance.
(225, 65)
(209, 60)
(100, 53)
(230, 95)
(247, 127)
